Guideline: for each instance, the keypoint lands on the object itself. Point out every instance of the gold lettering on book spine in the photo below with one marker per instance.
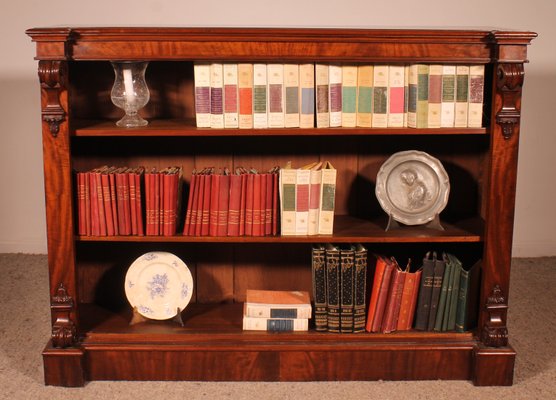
(509, 79)
(52, 75)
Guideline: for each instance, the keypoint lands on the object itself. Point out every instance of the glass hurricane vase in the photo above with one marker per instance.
(130, 91)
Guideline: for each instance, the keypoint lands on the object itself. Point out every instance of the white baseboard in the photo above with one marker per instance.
(534, 248)
(24, 246)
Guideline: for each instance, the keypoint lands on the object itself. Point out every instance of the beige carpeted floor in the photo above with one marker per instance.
(25, 326)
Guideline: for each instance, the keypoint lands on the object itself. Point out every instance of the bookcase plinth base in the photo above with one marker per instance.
(493, 366)
(63, 367)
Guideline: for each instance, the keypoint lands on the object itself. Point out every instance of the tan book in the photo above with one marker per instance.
(231, 112)
(275, 324)
(396, 82)
(448, 96)
(288, 179)
(364, 95)
(422, 96)
(349, 95)
(202, 95)
(335, 95)
(245, 95)
(216, 96)
(291, 95)
(380, 96)
(307, 95)
(322, 95)
(476, 89)
(275, 77)
(260, 94)
(435, 96)
(462, 96)
(327, 199)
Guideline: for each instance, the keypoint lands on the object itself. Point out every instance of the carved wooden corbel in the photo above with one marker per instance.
(63, 329)
(52, 75)
(509, 82)
(495, 331)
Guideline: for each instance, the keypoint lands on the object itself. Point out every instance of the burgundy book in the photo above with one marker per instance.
(100, 200)
(275, 196)
(409, 300)
(160, 181)
(175, 198)
(122, 188)
(214, 203)
(130, 173)
(105, 182)
(257, 205)
(166, 192)
(392, 310)
(87, 188)
(234, 205)
(243, 202)
(249, 204)
(95, 225)
(139, 200)
(268, 204)
(151, 206)
(188, 211)
(223, 203)
(195, 213)
(199, 204)
(113, 200)
(380, 267)
(80, 184)
(382, 298)
(205, 205)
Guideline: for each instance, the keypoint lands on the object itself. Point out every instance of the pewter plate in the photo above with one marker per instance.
(412, 187)
(158, 284)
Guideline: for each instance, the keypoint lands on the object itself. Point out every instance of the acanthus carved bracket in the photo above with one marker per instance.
(52, 76)
(509, 78)
(495, 331)
(63, 328)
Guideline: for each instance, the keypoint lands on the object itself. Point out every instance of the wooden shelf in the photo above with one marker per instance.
(346, 230)
(184, 127)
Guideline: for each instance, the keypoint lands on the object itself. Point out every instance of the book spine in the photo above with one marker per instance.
(422, 96)
(231, 111)
(380, 96)
(333, 288)
(216, 96)
(462, 96)
(322, 95)
(130, 175)
(476, 90)
(268, 204)
(448, 96)
(223, 205)
(105, 180)
(335, 95)
(443, 297)
(245, 94)
(435, 96)
(327, 201)
(382, 298)
(412, 98)
(349, 96)
(262, 211)
(81, 228)
(315, 182)
(291, 95)
(288, 179)
(214, 203)
(275, 76)
(257, 205)
(359, 287)
(166, 203)
(425, 291)
(100, 202)
(406, 96)
(347, 272)
(260, 92)
(406, 309)
(283, 311)
(364, 95)
(396, 82)
(275, 324)
(87, 193)
(243, 204)
(275, 196)
(202, 95)
(188, 212)
(157, 203)
(139, 200)
(319, 288)
(249, 204)
(199, 204)
(234, 204)
(95, 225)
(307, 95)
(392, 308)
(439, 267)
(380, 267)
(455, 294)
(302, 183)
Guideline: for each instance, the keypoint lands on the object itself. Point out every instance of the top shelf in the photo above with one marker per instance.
(185, 127)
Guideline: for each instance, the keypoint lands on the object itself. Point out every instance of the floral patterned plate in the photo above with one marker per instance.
(157, 284)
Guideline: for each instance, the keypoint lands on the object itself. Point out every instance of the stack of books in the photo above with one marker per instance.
(244, 203)
(393, 297)
(118, 200)
(339, 287)
(307, 199)
(329, 95)
(276, 310)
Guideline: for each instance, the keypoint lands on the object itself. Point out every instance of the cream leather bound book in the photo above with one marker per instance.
(435, 96)
(288, 179)
(202, 95)
(396, 82)
(260, 93)
(380, 96)
(448, 96)
(349, 95)
(476, 90)
(307, 95)
(231, 112)
(275, 79)
(462, 96)
(322, 95)
(216, 96)
(335, 97)
(291, 95)
(245, 95)
(364, 95)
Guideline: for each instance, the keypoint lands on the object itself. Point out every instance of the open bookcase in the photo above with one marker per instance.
(91, 336)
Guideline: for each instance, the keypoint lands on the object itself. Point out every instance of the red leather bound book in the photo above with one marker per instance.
(262, 214)
(151, 208)
(175, 198)
(196, 212)
(166, 191)
(257, 205)
(130, 173)
(100, 200)
(392, 310)
(80, 184)
(138, 200)
(95, 224)
(214, 203)
(87, 188)
(382, 299)
(268, 205)
(243, 202)
(234, 205)
(409, 300)
(380, 267)
(124, 211)
(160, 181)
(275, 196)
(113, 200)
(249, 204)
(188, 212)
(105, 182)
(205, 205)
(223, 200)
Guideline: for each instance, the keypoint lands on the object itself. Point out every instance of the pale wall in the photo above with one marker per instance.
(22, 227)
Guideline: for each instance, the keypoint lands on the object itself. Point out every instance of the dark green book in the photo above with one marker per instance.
(468, 299)
(448, 296)
(443, 294)
(455, 293)
(439, 267)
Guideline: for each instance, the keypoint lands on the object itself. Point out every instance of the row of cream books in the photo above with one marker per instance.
(276, 310)
(307, 199)
(259, 96)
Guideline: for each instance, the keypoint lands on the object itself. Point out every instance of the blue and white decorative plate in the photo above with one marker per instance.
(158, 284)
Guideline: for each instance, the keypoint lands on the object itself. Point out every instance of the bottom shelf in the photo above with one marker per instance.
(212, 347)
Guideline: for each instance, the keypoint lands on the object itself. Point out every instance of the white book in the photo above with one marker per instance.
(275, 324)
(406, 95)
(396, 82)
(245, 94)
(231, 112)
(260, 94)
(216, 96)
(291, 95)
(286, 187)
(476, 90)
(335, 95)
(462, 96)
(349, 96)
(364, 95)
(412, 98)
(202, 94)
(302, 201)
(307, 95)
(380, 96)
(435, 96)
(315, 182)
(275, 79)
(327, 199)
(322, 95)
(448, 96)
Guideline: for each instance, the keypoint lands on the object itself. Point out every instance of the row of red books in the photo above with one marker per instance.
(110, 201)
(243, 203)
